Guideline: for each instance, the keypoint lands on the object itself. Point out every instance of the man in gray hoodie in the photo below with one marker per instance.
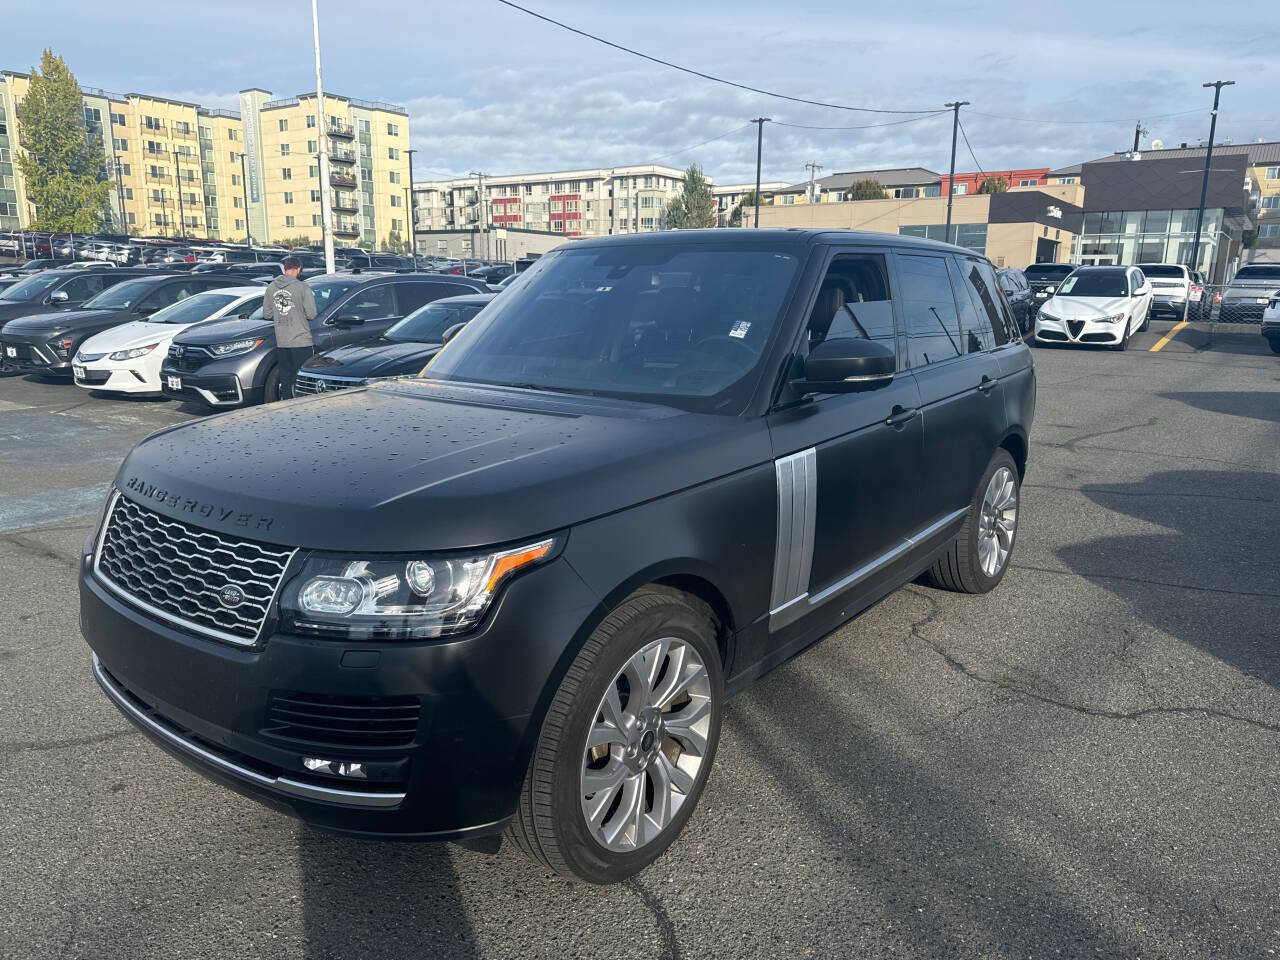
(291, 306)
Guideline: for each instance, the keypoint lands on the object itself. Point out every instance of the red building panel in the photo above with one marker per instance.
(972, 181)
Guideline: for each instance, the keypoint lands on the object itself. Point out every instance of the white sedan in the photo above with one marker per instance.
(127, 358)
(1096, 305)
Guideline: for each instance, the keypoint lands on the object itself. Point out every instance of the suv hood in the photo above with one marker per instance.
(376, 358)
(218, 331)
(1085, 308)
(418, 465)
(12, 309)
(41, 324)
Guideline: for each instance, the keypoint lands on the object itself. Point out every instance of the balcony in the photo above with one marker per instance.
(340, 179)
(344, 204)
(178, 133)
(346, 228)
(343, 131)
(154, 177)
(341, 155)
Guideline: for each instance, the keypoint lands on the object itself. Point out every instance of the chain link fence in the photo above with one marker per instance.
(1240, 306)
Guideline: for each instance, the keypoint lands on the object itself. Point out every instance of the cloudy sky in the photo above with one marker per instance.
(488, 87)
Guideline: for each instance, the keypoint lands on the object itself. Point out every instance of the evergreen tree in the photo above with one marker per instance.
(62, 169)
(867, 189)
(994, 185)
(695, 205)
(746, 205)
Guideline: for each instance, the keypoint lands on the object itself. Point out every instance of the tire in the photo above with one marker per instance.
(1274, 343)
(271, 386)
(1146, 322)
(961, 568)
(551, 823)
(1124, 340)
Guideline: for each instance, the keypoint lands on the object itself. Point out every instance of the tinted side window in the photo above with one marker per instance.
(853, 302)
(411, 296)
(933, 327)
(82, 288)
(371, 303)
(975, 329)
(168, 294)
(992, 307)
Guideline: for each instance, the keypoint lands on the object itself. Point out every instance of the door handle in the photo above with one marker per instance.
(987, 385)
(899, 417)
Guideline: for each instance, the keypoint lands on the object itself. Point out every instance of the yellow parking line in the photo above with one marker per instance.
(1159, 344)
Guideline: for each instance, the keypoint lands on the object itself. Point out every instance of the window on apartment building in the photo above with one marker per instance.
(393, 153)
(315, 196)
(157, 196)
(1272, 173)
(132, 218)
(118, 119)
(92, 115)
(235, 179)
(283, 125)
(124, 169)
(288, 222)
(959, 188)
(311, 121)
(363, 125)
(235, 202)
(232, 134)
(366, 175)
(575, 186)
(191, 198)
(646, 223)
(788, 199)
(284, 150)
(157, 173)
(233, 157)
(119, 144)
(395, 200)
(1029, 182)
(317, 220)
(161, 219)
(313, 170)
(182, 126)
(393, 130)
(288, 197)
(528, 189)
(153, 123)
(935, 190)
(4, 154)
(312, 146)
(128, 193)
(397, 225)
(154, 147)
(365, 149)
(905, 193)
(395, 177)
(286, 173)
(4, 127)
(239, 224)
(206, 133)
(588, 206)
(557, 206)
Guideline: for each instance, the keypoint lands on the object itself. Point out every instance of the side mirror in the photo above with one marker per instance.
(144, 311)
(847, 365)
(452, 332)
(58, 296)
(347, 320)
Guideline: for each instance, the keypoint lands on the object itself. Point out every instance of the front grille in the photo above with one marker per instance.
(1098, 338)
(1051, 335)
(306, 383)
(342, 721)
(188, 359)
(1075, 326)
(93, 377)
(218, 585)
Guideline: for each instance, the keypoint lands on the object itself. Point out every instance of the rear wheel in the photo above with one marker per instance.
(627, 743)
(1146, 321)
(979, 556)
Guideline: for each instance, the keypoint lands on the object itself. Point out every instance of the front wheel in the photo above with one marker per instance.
(979, 556)
(627, 743)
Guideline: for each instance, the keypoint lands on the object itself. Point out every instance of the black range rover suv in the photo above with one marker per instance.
(513, 594)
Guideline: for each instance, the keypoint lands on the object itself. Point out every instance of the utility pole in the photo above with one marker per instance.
(479, 175)
(244, 189)
(124, 217)
(413, 220)
(759, 122)
(322, 121)
(177, 183)
(1139, 131)
(951, 179)
(813, 167)
(1204, 185)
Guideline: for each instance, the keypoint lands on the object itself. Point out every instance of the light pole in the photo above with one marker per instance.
(1208, 158)
(326, 213)
(413, 226)
(124, 217)
(759, 122)
(951, 179)
(177, 185)
(244, 189)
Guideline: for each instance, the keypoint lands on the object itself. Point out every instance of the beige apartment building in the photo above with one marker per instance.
(181, 169)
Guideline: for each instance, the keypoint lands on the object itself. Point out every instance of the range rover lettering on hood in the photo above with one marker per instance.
(209, 511)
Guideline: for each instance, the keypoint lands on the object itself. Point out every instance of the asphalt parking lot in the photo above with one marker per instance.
(1085, 763)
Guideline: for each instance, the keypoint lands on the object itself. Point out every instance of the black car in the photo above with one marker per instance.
(1043, 279)
(233, 362)
(495, 273)
(404, 349)
(58, 290)
(1018, 292)
(46, 342)
(515, 595)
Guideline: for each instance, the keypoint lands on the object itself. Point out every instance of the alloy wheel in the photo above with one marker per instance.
(646, 745)
(997, 521)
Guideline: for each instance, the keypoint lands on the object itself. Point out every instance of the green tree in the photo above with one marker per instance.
(394, 243)
(866, 189)
(694, 205)
(62, 169)
(994, 185)
(300, 242)
(743, 207)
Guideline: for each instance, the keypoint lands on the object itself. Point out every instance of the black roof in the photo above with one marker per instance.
(788, 236)
(466, 298)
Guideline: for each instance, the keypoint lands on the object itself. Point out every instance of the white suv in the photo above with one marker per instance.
(1171, 286)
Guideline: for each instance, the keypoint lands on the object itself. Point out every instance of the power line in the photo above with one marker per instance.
(702, 144)
(969, 148)
(864, 126)
(699, 73)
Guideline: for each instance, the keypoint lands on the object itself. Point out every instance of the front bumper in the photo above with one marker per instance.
(33, 355)
(480, 696)
(1091, 332)
(115, 377)
(1242, 310)
(211, 389)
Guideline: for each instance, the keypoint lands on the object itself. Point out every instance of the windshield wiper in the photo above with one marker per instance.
(541, 388)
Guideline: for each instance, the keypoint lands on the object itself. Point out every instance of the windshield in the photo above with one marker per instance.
(122, 295)
(1259, 272)
(193, 309)
(1164, 270)
(428, 324)
(1095, 283)
(668, 322)
(1047, 271)
(30, 288)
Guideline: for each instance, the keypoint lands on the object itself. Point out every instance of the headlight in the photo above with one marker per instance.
(384, 597)
(234, 347)
(1115, 318)
(132, 354)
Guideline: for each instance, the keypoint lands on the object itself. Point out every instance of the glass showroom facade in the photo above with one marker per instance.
(970, 235)
(1149, 236)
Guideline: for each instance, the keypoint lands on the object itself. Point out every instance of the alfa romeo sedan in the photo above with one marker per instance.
(1102, 306)
(512, 595)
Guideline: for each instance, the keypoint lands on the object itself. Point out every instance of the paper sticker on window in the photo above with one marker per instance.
(740, 328)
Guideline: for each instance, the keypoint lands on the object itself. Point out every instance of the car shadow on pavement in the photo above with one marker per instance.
(1214, 581)
(380, 899)
(1242, 403)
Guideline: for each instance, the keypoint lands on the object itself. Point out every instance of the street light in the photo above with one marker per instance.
(1208, 158)
(413, 238)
